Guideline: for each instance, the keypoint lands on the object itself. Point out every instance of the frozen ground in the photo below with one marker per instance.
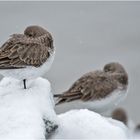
(86, 35)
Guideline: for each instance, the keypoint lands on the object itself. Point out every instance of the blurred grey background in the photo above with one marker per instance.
(87, 35)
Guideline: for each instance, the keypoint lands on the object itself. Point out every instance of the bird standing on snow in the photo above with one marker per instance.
(96, 90)
(28, 55)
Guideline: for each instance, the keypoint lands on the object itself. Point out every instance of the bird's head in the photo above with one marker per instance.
(118, 72)
(34, 31)
(114, 68)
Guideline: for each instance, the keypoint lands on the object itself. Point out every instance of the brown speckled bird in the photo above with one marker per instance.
(97, 90)
(120, 115)
(28, 55)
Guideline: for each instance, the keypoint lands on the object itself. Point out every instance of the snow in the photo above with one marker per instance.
(85, 124)
(22, 111)
(136, 135)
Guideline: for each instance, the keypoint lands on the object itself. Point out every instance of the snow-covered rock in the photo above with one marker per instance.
(24, 112)
(85, 124)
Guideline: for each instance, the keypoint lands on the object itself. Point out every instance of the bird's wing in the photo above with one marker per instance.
(89, 87)
(20, 51)
(74, 93)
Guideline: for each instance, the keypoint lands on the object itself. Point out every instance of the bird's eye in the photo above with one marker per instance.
(111, 69)
(108, 69)
(123, 80)
(30, 35)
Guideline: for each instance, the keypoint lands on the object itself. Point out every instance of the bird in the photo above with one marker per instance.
(120, 115)
(28, 55)
(96, 90)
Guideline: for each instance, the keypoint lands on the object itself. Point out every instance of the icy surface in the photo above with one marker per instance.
(22, 110)
(85, 124)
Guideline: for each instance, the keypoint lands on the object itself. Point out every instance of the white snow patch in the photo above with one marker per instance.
(22, 110)
(136, 135)
(85, 124)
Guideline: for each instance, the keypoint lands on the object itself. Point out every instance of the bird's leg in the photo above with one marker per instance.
(24, 82)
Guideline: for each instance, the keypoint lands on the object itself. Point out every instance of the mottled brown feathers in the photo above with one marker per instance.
(93, 86)
(21, 50)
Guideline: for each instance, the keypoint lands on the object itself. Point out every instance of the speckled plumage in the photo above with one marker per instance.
(22, 50)
(28, 55)
(95, 85)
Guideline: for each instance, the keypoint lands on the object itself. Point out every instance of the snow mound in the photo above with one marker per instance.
(85, 124)
(23, 111)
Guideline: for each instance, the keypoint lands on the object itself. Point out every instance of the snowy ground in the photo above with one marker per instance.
(22, 111)
(85, 124)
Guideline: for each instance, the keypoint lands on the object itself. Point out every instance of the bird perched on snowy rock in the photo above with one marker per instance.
(97, 90)
(26, 114)
(28, 55)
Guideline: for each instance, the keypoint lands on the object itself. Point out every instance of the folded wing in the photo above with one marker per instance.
(20, 51)
(89, 87)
